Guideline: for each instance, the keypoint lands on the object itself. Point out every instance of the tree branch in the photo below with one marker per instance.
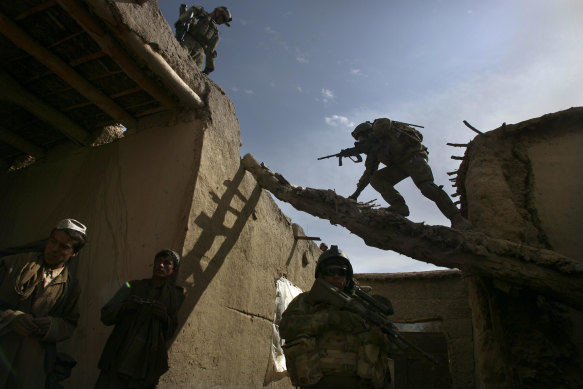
(544, 271)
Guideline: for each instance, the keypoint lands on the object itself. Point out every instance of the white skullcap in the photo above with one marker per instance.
(71, 224)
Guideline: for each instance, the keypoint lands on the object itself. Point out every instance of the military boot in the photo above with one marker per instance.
(458, 222)
(399, 207)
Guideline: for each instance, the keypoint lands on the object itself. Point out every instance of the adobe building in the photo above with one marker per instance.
(104, 118)
(70, 73)
(432, 312)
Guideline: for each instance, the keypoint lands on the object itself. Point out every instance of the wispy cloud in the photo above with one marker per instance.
(271, 31)
(338, 121)
(298, 54)
(276, 37)
(327, 95)
(245, 91)
(299, 89)
(356, 72)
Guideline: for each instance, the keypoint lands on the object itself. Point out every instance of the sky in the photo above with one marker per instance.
(302, 74)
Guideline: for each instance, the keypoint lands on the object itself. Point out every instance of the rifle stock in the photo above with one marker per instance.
(370, 310)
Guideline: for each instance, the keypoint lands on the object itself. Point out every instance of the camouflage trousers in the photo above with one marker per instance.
(416, 167)
(195, 49)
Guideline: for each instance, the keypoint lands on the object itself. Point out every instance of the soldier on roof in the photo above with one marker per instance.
(198, 32)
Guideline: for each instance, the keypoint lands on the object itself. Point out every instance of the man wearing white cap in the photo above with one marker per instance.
(38, 307)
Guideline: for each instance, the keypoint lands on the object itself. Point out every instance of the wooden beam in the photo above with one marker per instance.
(36, 9)
(108, 44)
(545, 271)
(20, 143)
(12, 91)
(21, 39)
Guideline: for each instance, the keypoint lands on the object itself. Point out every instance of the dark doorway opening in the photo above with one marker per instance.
(413, 370)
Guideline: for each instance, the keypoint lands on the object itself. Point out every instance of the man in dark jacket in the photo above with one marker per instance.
(144, 313)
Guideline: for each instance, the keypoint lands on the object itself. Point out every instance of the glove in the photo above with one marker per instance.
(207, 71)
(345, 321)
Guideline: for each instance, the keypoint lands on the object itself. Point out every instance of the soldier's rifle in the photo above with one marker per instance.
(351, 152)
(408, 124)
(183, 23)
(366, 307)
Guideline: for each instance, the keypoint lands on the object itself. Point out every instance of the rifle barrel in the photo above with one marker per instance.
(328, 156)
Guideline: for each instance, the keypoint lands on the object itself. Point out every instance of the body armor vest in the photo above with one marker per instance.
(334, 353)
(204, 30)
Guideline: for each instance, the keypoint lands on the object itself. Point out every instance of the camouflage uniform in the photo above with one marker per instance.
(202, 37)
(399, 147)
(328, 348)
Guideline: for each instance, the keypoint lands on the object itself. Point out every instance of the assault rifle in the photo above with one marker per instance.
(183, 23)
(352, 152)
(364, 305)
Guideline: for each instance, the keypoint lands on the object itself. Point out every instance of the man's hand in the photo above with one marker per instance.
(132, 304)
(378, 335)
(207, 71)
(43, 324)
(159, 309)
(24, 325)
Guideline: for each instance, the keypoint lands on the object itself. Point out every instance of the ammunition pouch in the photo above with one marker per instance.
(204, 30)
(373, 363)
(303, 361)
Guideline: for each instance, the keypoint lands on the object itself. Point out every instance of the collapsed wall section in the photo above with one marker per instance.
(523, 183)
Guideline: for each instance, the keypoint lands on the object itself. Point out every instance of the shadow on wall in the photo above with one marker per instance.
(213, 227)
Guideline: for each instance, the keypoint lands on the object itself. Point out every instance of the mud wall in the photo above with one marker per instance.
(177, 184)
(438, 298)
(523, 183)
(175, 181)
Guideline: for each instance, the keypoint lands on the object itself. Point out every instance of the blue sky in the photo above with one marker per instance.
(302, 74)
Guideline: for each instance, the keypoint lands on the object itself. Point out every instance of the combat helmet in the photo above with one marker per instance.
(334, 256)
(226, 14)
(362, 128)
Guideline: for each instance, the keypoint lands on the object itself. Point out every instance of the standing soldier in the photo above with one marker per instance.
(38, 308)
(398, 146)
(198, 32)
(326, 347)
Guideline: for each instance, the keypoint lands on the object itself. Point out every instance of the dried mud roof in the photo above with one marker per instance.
(61, 79)
(425, 275)
(543, 127)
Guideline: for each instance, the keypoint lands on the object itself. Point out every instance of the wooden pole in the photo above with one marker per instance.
(21, 39)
